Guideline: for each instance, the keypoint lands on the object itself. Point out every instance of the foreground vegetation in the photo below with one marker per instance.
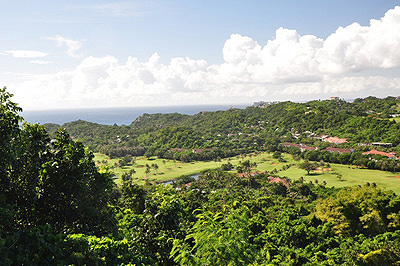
(58, 208)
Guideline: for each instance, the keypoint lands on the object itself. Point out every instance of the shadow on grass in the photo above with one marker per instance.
(314, 174)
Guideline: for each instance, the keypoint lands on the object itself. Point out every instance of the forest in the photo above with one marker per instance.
(58, 208)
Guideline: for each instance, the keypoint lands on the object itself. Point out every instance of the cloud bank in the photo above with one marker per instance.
(288, 65)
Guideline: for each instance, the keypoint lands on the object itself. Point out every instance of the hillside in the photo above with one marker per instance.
(236, 131)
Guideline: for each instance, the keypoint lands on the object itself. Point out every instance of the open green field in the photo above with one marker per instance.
(169, 170)
(351, 175)
(396, 119)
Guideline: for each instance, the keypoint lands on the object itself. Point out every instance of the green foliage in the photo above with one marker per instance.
(51, 182)
(91, 250)
(367, 210)
(35, 246)
(161, 219)
(218, 240)
(226, 166)
(9, 132)
(73, 194)
(58, 208)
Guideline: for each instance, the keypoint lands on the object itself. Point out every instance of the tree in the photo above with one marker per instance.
(227, 241)
(9, 132)
(132, 196)
(308, 166)
(73, 194)
(226, 166)
(53, 182)
(277, 155)
(155, 167)
(147, 171)
(365, 209)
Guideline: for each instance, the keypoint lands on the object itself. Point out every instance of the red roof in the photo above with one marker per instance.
(287, 144)
(390, 155)
(177, 149)
(272, 179)
(305, 147)
(201, 150)
(335, 140)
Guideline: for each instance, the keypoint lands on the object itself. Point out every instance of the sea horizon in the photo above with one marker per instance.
(115, 115)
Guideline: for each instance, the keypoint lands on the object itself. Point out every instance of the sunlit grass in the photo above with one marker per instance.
(170, 169)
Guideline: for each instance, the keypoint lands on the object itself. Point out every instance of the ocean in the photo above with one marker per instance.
(117, 115)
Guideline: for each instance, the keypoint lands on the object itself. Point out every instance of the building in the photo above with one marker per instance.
(260, 103)
(287, 144)
(263, 104)
(334, 140)
(334, 98)
(385, 145)
(391, 155)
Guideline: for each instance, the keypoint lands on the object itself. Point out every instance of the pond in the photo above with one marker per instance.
(169, 182)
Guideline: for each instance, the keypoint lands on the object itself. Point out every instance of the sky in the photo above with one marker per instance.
(87, 54)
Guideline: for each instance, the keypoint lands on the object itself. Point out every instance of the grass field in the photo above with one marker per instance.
(396, 119)
(169, 169)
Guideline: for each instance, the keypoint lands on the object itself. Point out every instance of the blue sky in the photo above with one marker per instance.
(65, 54)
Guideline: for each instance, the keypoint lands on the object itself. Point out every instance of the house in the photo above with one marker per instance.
(178, 149)
(321, 137)
(260, 103)
(385, 145)
(338, 150)
(334, 98)
(264, 104)
(307, 148)
(398, 98)
(287, 144)
(334, 140)
(391, 155)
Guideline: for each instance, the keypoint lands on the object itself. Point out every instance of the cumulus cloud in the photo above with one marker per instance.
(289, 65)
(349, 49)
(25, 53)
(72, 45)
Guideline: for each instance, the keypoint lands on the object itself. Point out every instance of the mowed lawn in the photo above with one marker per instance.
(167, 169)
(351, 175)
(396, 119)
(170, 169)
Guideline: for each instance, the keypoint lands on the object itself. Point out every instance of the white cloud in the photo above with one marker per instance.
(72, 45)
(40, 62)
(350, 49)
(290, 65)
(24, 53)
